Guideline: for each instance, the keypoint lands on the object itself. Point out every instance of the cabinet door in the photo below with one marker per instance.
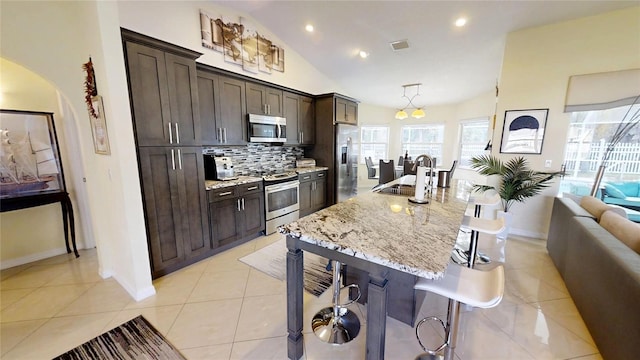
(291, 113)
(273, 99)
(183, 99)
(233, 111)
(307, 121)
(162, 207)
(225, 228)
(253, 213)
(208, 99)
(319, 194)
(305, 196)
(149, 94)
(193, 201)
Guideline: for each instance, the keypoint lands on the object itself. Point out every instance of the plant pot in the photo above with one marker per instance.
(508, 217)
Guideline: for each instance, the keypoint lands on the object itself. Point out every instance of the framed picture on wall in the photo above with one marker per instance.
(523, 131)
(99, 127)
(29, 154)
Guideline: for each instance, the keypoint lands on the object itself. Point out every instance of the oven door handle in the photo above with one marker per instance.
(279, 187)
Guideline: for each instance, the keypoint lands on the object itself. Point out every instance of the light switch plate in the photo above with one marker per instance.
(547, 163)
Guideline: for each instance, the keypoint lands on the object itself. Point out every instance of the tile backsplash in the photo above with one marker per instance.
(257, 158)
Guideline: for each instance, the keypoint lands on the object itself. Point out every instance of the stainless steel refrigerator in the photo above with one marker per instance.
(346, 161)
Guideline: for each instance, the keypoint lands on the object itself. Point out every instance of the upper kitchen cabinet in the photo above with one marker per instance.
(164, 93)
(300, 115)
(264, 100)
(336, 109)
(222, 109)
(346, 111)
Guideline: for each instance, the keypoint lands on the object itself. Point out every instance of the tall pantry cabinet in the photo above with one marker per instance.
(164, 100)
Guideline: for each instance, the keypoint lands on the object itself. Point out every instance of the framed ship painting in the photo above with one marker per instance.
(29, 154)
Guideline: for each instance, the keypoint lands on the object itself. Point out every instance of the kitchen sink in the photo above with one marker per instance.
(399, 189)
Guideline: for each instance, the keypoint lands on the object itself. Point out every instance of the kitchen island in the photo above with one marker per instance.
(376, 232)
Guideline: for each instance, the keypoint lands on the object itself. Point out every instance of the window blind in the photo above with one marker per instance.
(602, 90)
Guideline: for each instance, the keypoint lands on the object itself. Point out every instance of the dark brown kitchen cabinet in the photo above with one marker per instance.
(264, 100)
(346, 111)
(236, 213)
(164, 97)
(307, 120)
(222, 109)
(300, 115)
(312, 191)
(175, 205)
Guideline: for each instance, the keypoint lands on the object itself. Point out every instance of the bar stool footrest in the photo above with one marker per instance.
(440, 347)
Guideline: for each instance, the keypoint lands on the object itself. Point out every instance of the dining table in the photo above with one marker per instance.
(378, 232)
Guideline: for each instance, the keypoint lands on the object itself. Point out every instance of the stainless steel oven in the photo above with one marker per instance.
(282, 200)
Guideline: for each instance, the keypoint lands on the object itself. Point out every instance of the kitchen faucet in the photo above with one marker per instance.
(430, 159)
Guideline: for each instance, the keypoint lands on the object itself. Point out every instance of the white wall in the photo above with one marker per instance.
(536, 68)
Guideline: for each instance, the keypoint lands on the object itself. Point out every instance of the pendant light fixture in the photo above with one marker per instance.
(418, 112)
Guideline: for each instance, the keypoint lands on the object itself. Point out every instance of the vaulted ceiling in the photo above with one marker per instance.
(452, 63)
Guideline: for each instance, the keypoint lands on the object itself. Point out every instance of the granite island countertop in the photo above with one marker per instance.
(389, 230)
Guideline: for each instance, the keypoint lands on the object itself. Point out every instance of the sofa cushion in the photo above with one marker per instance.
(624, 230)
(614, 191)
(629, 188)
(594, 206)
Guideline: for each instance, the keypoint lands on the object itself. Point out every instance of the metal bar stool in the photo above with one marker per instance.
(478, 203)
(336, 324)
(483, 289)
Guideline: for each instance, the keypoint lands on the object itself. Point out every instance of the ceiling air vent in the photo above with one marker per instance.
(399, 45)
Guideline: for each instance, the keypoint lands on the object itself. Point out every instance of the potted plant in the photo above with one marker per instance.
(518, 182)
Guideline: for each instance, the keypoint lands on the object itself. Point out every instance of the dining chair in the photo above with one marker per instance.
(408, 166)
(400, 160)
(387, 172)
(371, 171)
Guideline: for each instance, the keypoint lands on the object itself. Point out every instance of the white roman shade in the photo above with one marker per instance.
(602, 90)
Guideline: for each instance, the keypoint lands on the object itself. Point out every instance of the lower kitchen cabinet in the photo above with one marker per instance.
(236, 213)
(313, 192)
(175, 207)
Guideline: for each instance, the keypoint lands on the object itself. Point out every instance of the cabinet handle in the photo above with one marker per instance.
(306, 177)
(238, 201)
(179, 159)
(225, 193)
(252, 188)
(224, 132)
(173, 160)
(177, 135)
(242, 204)
(315, 186)
(269, 108)
(170, 135)
(264, 108)
(219, 134)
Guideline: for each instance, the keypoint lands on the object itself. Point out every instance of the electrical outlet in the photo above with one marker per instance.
(547, 163)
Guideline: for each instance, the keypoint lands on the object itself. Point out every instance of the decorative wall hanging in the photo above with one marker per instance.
(90, 87)
(29, 154)
(241, 44)
(99, 127)
(523, 131)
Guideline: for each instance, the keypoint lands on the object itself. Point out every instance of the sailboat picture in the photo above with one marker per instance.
(29, 156)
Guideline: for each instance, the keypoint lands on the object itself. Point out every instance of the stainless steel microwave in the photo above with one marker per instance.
(270, 129)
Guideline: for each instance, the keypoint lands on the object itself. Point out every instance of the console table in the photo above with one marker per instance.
(62, 197)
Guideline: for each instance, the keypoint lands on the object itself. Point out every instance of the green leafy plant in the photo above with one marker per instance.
(518, 181)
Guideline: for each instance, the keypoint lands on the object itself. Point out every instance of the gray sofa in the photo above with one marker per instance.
(601, 272)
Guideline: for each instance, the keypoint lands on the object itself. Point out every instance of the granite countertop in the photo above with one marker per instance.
(304, 170)
(389, 230)
(215, 184)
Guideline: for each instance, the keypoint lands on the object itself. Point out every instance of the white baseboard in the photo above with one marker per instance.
(529, 234)
(137, 295)
(31, 258)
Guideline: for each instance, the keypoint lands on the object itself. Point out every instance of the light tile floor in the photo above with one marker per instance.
(221, 308)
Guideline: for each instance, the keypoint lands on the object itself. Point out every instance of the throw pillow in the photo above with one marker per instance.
(614, 191)
(624, 230)
(594, 206)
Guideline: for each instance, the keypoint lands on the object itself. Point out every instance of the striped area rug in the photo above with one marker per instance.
(134, 340)
(271, 260)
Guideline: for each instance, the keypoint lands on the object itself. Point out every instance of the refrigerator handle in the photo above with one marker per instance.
(348, 156)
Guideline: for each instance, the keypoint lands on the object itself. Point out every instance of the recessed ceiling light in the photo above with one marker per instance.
(461, 22)
(364, 54)
(309, 28)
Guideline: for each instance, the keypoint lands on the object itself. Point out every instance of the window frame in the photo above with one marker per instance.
(471, 122)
